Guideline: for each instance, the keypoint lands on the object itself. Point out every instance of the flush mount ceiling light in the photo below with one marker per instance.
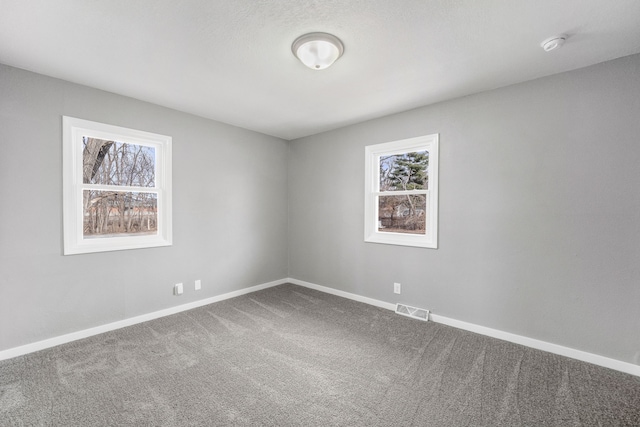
(317, 50)
(553, 42)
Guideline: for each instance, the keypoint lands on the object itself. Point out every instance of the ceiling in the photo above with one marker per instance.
(231, 60)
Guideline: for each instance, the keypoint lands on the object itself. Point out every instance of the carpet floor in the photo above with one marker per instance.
(291, 356)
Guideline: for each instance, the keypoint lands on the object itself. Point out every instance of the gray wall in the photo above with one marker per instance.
(229, 213)
(539, 201)
(539, 211)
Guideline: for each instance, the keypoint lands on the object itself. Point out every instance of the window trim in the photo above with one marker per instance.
(73, 129)
(372, 192)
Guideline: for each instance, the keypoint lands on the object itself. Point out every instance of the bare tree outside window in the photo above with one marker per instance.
(117, 191)
(403, 172)
(113, 213)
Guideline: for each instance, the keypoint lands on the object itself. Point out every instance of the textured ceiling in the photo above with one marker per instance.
(231, 60)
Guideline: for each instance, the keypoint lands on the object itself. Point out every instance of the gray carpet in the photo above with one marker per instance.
(291, 356)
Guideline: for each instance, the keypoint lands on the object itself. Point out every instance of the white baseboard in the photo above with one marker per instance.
(595, 359)
(583, 356)
(63, 339)
(343, 294)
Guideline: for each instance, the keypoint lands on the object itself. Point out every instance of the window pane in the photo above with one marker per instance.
(117, 163)
(401, 172)
(402, 214)
(111, 214)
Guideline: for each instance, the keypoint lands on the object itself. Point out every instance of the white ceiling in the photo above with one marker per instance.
(231, 60)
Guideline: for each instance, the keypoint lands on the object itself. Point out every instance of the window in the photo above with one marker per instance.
(116, 188)
(401, 192)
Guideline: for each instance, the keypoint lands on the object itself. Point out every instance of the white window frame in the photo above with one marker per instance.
(373, 153)
(73, 129)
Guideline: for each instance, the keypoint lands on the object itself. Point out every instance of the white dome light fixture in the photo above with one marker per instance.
(554, 42)
(317, 50)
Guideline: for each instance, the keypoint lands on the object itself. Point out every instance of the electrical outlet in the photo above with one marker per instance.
(396, 288)
(177, 289)
(198, 285)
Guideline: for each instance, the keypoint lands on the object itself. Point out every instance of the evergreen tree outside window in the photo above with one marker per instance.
(401, 192)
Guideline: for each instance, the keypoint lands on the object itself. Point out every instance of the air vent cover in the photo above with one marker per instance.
(416, 313)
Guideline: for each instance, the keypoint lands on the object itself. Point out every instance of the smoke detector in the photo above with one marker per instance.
(554, 42)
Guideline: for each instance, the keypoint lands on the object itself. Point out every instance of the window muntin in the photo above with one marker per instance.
(401, 192)
(117, 188)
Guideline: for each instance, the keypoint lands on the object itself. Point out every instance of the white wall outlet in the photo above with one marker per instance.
(198, 285)
(396, 288)
(177, 289)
